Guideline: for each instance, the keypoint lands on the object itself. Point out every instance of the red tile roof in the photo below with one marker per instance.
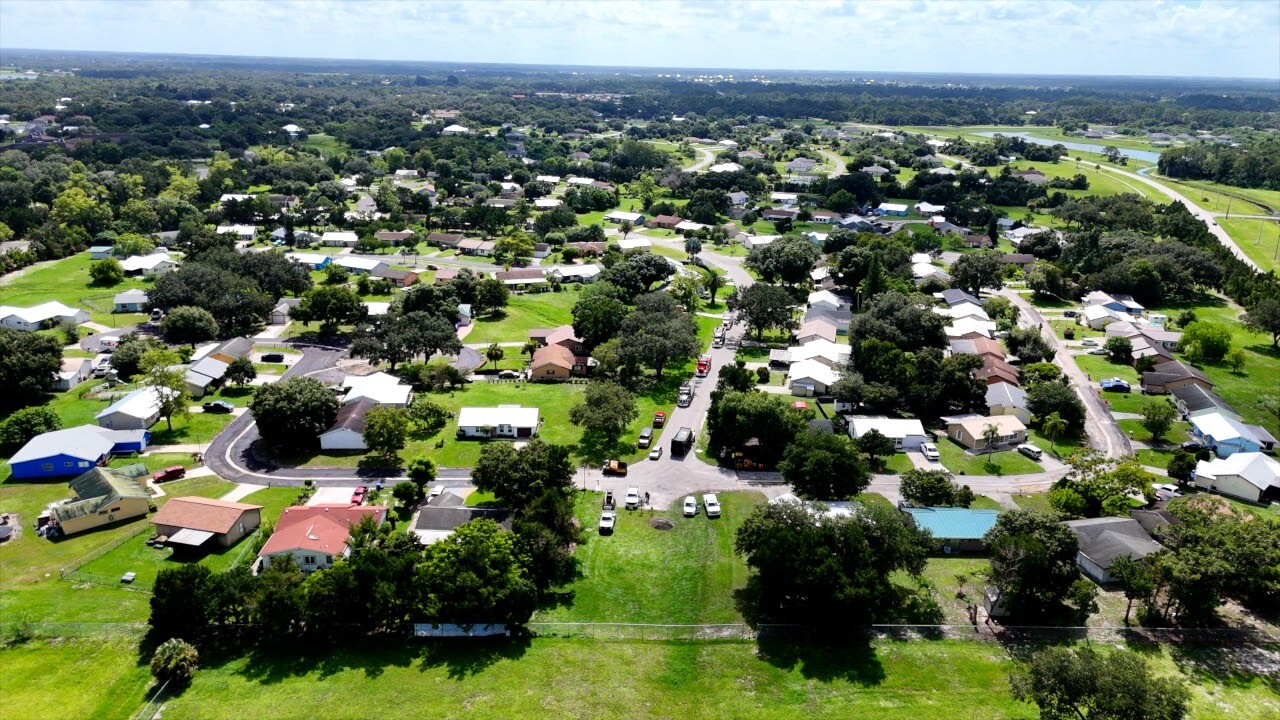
(318, 528)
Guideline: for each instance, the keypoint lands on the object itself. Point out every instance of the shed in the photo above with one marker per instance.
(194, 521)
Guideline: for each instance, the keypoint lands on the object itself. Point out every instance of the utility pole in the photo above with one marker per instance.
(1228, 206)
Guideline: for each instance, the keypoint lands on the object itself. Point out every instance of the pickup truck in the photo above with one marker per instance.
(614, 467)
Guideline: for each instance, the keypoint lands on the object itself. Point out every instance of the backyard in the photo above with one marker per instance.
(68, 282)
(522, 314)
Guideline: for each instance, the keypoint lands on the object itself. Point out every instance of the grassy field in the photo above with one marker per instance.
(524, 313)
(1006, 462)
(1259, 239)
(67, 281)
(326, 144)
(642, 575)
(1217, 195)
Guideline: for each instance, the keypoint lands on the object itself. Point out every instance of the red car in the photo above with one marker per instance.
(659, 419)
(170, 473)
(357, 497)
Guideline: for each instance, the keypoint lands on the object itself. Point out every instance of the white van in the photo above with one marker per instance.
(1030, 451)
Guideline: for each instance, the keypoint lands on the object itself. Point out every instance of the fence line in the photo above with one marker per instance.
(103, 550)
(29, 629)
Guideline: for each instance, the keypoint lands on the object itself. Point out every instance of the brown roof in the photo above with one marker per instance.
(557, 355)
(351, 417)
(587, 248)
(663, 220)
(446, 274)
(562, 333)
(1017, 258)
(393, 235)
(198, 513)
(318, 528)
(999, 369)
(520, 274)
(394, 274)
(445, 238)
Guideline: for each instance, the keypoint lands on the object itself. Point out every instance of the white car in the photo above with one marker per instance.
(1099, 351)
(1089, 342)
(690, 506)
(436, 492)
(1167, 492)
(656, 453)
(633, 498)
(930, 452)
(711, 504)
(607, 520)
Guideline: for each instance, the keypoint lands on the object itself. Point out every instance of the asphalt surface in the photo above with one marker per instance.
(1104, 434)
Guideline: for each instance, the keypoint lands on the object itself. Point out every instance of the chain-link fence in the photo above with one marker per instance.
(22, 630)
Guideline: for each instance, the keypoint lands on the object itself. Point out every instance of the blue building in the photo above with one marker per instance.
(956, 529)
(1226, 435)
(75, 450)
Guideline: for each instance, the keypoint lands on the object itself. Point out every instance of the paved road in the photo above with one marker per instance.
(708, 157)
(1104, 434)
(836, 161)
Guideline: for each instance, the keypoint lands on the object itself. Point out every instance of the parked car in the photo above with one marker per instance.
(711, 504)
(1098, 351)
(509, 374)
(170, 473)
(157, 315)
(102, 367)
(1167, 492)
(436, 492)
(614, 467)
(1116, 384)
(690, 506)
(218, 406)
(1070, 313)
(273, 357)
(646, 438)
(1030, 451)
(1191, 446)
(608, 519)
(357, 497)
(1089, 342)
(656, 453)
(659, 419)
(633, 498)
(930, 451)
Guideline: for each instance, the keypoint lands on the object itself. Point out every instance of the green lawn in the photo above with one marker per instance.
(1259, 239)
(982, 502)
(136, 556)
(1006, 462)
(326, 144)
(67, 281)
(273, 501)
(1099, 367)
(643, 575)
(896, 464)
(197, 427)
(1034, 501)
(524, 313)
(1242, 199)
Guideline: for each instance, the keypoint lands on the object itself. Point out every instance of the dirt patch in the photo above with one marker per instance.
(661, 524)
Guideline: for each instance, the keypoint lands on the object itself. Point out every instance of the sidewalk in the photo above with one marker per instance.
(241, 490)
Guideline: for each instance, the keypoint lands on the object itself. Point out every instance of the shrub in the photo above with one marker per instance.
(174, 661)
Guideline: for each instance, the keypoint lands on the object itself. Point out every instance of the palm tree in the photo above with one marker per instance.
(1052, 426)
(494, 353)
(625, 227)
(713, 283)
(990, 434)
(530, 347)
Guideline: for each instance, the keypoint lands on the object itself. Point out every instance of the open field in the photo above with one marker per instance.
(1254, 199)
(1259, 239)
(326, 144)
(522, 314)
(67, 281)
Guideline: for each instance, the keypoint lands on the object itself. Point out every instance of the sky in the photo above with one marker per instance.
(1228, 38)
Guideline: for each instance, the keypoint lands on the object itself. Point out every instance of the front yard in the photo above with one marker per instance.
(1006, 462)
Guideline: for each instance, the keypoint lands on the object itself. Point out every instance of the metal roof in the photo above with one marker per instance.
(952, 523)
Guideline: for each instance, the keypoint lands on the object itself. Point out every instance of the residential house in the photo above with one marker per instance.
(30, 319)
(103, 496)
(828, 298)
(399, 278)
(995, 370)
(447, 513)
(928, 209)
(74, 371)
(637, 243)
(347, 430)
(280, 313)
(785, 199)
(738, 198)
(774, 214)
(314, 536)
(874, 171)
(587, 249)
(1173, 374)
(503, 421)
(547, 203)
(969, 431)
(977, 241)
(687, 226)
(242, 232)
(1119, 303)
(955, 529)
(906, 434)
(955, 297)
(359, 265)
(982, 346)
(473, 246)
(970, 326)
(148, 265)
(892, 209)
(1104, 540)
(1031, 175)
(942, 227)
(339, 238)
(828, 352)
(138, 410)
(444, 240)
(379, 387)
(575, 273)
(561, 355)
(1249, 476)
(825, 217)
(818, 329)
(101, 252)
(751, 242)
(1021, 260)
(521, 277)
(73, 450)
(927, 271)
(963, 310)
(455, 130)
(811, 378)
(195, 521)
(663, 222)
(395, 237)
(725, 167)
(315, 261)
(1098, 317)
(1008, 399)
(1194, 400)
(541, 250)
(943, 171)
(840, 317)
(1226, 435)
(801, 164)
(130, 301)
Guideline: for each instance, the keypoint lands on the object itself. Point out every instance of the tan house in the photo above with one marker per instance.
(198, 521)
(104, 496)
(561, 356)
(817, 329)
(969, 432)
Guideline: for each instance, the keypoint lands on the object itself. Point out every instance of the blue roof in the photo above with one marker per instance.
(948, 523)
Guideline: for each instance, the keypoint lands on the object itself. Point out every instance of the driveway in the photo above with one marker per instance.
(1104, 434)
(332, 496)
(836, 161)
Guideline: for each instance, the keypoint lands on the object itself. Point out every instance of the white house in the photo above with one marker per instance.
(316, 261)
(339, 238)
(725, 167)
(30, 319)
(74, 371)
(347, 431)
(553, 179)
(621, 216)
(455, 130)
(634, 243)
(1098, 316)
(509, 421)
(129, 301)
(831, 354)
(546, 203)
(381, 388)
(1244, 475)
(906, 434)
(359, 265)
(138, 410)
(148, 265)
(581, 181)
(751, 242)
(926, 271)
(244, 232)
(892, 209)
(784, 198)
(927, 209)
(966, 325)
(689, 226)
(811, 377)
(575, 273)
(826, 297)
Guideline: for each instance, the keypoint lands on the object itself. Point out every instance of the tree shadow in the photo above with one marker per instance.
(464, 657)
(851, 659)
(1235, 666)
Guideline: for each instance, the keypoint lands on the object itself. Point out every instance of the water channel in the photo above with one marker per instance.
(1150, 156)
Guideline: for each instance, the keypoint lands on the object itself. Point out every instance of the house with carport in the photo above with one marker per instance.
(195, 522)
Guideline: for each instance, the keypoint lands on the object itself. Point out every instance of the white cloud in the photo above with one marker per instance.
(1138, 37)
